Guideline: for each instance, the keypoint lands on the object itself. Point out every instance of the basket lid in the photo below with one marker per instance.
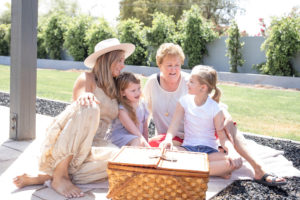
(161, 159)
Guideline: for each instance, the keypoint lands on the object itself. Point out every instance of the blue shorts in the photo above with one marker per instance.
(200, 148)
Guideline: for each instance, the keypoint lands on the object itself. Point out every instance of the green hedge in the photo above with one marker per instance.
(131, 31)
(4, 39)
(75, 37)
(281, 45)
(54, 35)
(163, 30)
(197, 33)
(97, 32)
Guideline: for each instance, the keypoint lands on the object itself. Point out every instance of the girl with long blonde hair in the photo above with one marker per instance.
(203, 117)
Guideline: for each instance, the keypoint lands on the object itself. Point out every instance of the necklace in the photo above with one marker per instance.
(167, 88)
(168, 106)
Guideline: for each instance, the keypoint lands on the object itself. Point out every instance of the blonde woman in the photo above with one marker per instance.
(75, 150)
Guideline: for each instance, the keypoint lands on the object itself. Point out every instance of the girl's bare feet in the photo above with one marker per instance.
(25, 180)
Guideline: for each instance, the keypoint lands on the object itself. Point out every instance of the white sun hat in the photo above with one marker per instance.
(106, 46)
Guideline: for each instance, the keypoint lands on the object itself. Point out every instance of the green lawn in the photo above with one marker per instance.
(263, 111)
(51, 84)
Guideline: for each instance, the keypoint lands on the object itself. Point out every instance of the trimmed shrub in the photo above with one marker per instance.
(281, 45)
(131, 31)
(197, 32)
(5, 39)
(163, 30)
(97, 32)
(234, 47)
(41, 48)
(75, 37)
(54, 36)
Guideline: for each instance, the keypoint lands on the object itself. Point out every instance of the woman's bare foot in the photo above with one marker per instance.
(25, 180)
(64, 186)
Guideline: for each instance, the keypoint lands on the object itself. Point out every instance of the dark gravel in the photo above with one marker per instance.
(237, 190)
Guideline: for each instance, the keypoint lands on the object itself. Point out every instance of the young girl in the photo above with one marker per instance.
(130, 128)
(202, 118)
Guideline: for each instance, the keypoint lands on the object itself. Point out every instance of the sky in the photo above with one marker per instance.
(249, 21)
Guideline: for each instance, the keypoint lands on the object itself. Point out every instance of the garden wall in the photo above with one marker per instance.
(251, 53)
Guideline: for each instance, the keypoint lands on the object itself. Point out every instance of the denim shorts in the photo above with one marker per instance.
(200, 148)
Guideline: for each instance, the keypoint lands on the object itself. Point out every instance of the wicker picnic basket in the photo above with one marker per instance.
(152, 173)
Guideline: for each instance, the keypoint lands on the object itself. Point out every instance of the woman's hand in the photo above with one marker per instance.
(87, 99)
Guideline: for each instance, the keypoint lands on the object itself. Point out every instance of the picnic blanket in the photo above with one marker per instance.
(272, 160)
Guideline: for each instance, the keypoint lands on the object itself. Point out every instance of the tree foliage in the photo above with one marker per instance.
(4, 39)
(54, 36)
(163, 30)
(131, 31)
(220, 12)
(234, 47)
(75, 37)
(41, 48)
(197, 32)
(281, 45)
(5, 17)
(97, 32)
(67, 7)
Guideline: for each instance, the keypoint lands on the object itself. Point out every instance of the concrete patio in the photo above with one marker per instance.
(18, 157)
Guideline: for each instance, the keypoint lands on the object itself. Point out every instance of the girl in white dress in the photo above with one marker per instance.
(203, 117)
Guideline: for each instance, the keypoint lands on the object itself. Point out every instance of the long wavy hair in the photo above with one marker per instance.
(103, 74)
(208, 76)
(122, 82)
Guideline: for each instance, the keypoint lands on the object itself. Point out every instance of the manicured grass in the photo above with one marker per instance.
(263, 111)
(51, 84)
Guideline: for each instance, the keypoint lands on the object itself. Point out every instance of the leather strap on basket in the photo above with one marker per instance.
(162, 156)
(115, 191)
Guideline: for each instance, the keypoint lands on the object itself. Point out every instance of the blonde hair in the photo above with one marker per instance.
(103, 74)
(169, 49)
(208, 76)
(122, 83)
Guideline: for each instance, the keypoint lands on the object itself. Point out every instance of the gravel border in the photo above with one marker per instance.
(238, 189)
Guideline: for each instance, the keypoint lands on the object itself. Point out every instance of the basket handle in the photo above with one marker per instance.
(162, 156)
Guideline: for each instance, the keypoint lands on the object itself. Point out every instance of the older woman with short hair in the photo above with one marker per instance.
(163, 90)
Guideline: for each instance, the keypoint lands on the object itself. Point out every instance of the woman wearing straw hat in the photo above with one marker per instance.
(75, 150)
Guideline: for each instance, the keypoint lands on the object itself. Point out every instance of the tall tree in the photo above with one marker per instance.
(220, 12)
(67, 7)
(234, 48)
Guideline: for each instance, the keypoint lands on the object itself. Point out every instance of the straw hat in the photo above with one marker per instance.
(106, 46)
